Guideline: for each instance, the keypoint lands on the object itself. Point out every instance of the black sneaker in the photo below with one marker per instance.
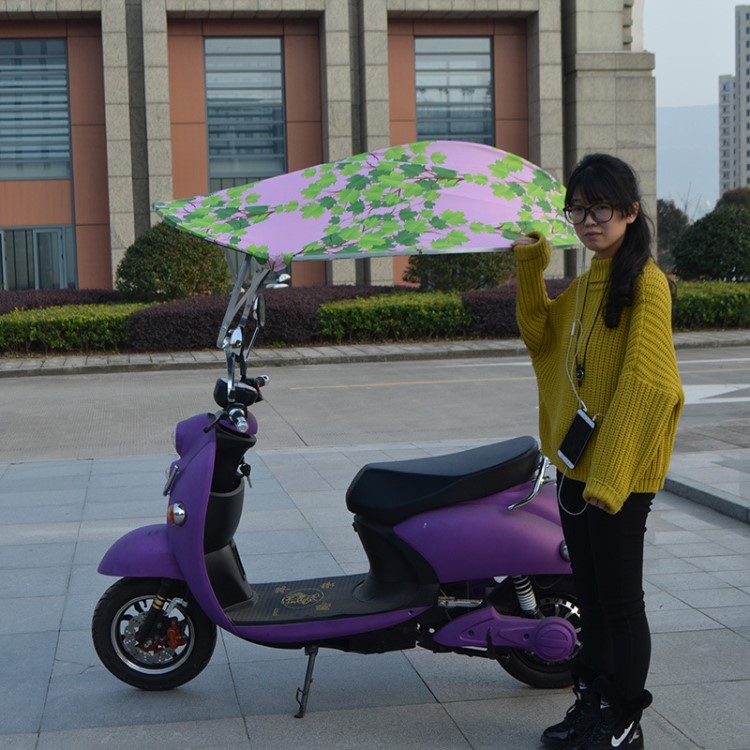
(623, 735)
(580, 719)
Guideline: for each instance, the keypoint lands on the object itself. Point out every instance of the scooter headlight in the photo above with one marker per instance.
(176, 514)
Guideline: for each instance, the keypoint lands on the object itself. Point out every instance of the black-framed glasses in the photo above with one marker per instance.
(601, 213)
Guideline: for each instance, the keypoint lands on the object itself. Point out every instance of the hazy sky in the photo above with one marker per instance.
(693, 41)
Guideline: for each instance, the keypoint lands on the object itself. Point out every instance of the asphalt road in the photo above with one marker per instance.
(96, 415)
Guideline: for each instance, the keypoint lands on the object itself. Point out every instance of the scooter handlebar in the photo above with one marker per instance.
(238, 418)
(259, 381)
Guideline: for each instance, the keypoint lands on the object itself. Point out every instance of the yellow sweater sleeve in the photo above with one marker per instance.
(532, 307)
(637, 431)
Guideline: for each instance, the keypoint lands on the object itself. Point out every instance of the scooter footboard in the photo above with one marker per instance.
(552, 638)
(141, 553)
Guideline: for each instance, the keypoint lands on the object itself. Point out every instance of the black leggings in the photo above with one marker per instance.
(606, 552)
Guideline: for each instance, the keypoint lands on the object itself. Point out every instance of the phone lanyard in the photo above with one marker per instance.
(580, 367)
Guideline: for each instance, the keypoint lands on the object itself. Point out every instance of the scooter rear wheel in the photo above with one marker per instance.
(179, 649)
(530, 669)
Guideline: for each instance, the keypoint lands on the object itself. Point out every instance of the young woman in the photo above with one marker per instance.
(604, 348)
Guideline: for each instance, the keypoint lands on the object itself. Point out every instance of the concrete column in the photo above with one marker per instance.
(373, 74)
(609, 88)
(544, 55)
(117, 121)
(545, 87)
(336, 90)
(156, 94)
(372, 40)
(336, 80)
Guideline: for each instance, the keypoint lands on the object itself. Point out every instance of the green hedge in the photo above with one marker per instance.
(73, 328)
(711, 304)
(395, 316)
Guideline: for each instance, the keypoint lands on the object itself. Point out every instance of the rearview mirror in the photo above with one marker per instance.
(280, 282)
(259, 311)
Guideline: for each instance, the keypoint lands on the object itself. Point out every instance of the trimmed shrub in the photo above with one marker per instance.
(70, 328)
(396, 316)
(291, 318)
(493, 311)
(711, 304)
(292, 314)
(30, 299)
(183, 325)
(460, 271)
(165, 263)
(716, 247)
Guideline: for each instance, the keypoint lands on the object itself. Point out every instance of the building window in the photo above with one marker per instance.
(38, 258)
(245, 110)
(454, 89)
(34, 109)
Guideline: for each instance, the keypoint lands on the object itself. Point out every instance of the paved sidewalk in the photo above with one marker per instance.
(58, 517)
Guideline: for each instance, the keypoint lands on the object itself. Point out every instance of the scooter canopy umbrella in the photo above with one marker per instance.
(426, 197)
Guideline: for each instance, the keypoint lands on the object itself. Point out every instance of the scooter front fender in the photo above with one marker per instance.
(141, 553)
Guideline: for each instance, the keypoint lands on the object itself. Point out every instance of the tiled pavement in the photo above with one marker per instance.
(58, 517)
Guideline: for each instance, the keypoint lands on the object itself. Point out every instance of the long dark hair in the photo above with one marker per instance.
(607, 179)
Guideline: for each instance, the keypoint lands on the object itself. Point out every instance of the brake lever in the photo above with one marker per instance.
(217, 418)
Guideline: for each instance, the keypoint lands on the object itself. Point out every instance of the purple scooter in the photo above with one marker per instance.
(460, 558)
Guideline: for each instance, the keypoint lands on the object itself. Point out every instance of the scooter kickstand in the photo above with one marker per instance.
(303, 693)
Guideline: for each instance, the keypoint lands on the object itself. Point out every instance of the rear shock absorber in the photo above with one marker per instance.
(526, 596)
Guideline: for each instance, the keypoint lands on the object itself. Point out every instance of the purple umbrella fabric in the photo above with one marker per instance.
(426, 197)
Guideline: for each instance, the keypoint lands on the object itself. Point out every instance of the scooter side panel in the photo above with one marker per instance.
(544, 504)
(192, 488)
(483, 539)
(141, 553)
(323, 630)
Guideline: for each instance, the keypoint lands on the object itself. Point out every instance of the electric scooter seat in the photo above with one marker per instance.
(392, 491)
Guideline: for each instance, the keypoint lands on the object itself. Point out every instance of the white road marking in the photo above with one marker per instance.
(718, 393)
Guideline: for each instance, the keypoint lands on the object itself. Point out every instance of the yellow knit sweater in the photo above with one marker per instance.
(631, 382)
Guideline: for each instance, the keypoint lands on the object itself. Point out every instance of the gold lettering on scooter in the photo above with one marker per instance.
(302, 598)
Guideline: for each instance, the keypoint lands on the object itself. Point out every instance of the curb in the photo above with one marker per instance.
(718, 500)
(267, 358)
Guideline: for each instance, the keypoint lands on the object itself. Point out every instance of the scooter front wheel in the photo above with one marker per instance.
(177, 649)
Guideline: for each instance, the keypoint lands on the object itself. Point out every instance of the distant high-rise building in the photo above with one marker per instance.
(734, 110)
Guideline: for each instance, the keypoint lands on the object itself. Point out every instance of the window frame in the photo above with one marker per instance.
(488, 117)
(220, 179)
(15, 126)
(66, 261)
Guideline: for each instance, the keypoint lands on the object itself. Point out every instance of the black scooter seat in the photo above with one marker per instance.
(392, 491)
